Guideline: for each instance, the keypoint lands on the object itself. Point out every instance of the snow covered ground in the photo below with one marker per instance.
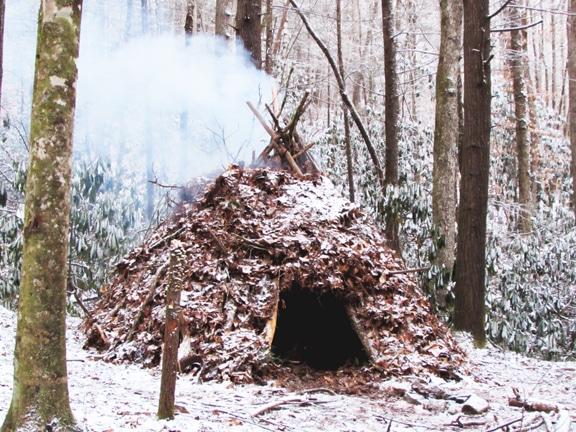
(106, 397)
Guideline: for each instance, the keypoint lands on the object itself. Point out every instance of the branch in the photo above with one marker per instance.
(261, 119)
(164, 239)
(506, 3)
(151, 292)
(414, 270)
(305, 149)
(510, 29)
(275, 404)
(299, 111)
(347, 102)
(529, 405)
(505, 425)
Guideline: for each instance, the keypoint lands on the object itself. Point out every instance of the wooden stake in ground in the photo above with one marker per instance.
(171, 332)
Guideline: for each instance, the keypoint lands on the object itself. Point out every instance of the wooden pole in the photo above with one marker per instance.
(171, 332)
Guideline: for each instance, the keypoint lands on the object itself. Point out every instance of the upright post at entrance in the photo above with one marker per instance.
(171, 331)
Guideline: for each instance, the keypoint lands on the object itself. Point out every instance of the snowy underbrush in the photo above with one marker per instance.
(532, 285)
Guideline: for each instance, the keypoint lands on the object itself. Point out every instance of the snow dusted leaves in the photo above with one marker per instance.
(256, 233)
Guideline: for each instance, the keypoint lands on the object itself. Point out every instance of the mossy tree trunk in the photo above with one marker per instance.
(40, 394)
(447, 136)
(166, 406)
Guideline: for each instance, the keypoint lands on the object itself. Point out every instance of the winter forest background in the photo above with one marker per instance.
(155, 110)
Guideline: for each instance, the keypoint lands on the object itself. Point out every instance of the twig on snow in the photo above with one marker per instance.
(414, 425)
(275, 404)
(505, 425)
(319, 390)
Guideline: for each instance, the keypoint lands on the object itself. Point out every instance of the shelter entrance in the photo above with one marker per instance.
(314, 328)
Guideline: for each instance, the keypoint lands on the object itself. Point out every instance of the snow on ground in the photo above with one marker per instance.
(112, 398)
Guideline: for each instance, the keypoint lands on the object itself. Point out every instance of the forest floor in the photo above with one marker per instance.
(107, 397)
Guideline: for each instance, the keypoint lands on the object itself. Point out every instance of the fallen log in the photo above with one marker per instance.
(532, 405)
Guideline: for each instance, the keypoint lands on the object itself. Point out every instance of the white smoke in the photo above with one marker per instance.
(181, 104)
(20, 28)
(184, 101)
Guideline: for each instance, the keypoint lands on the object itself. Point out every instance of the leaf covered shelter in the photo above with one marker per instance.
(278, 269)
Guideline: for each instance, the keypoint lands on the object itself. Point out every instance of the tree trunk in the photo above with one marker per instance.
(40, 394)
(149, 146)
(190, 22)
(249, 28)
(517, 56)
(347, 143)
(171, 331)
(269, 23)
(223, 15)
(344, 96)
(572, 93)
(391, 117)
(279, 30)
(447, 136)
(2, 13)
(471, 249)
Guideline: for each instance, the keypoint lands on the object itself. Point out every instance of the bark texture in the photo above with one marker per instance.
(347, 140)
(447, 133)
(471, 250)
(392, 114)
(166, 406)
(572, 92)
(269, 24)
(2, 13)
(517, 67)
(40, 394)
(190, 22)
(249, 27)
(223, 25)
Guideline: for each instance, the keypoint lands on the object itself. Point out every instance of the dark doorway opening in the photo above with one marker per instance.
(315, 329)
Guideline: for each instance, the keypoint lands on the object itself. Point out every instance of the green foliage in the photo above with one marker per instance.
(531, 306)
(409, 202)
(530, 277)
(104, 222)
(11, 224)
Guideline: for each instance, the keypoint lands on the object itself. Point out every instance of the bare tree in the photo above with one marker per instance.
(347, 143)
(345, 98)
(392, 113)
(572, 93)
(40, 399)
(517, 67)
(447, 134)
(2, 12)
(149, 146)
(475, 159)
(269, 25)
